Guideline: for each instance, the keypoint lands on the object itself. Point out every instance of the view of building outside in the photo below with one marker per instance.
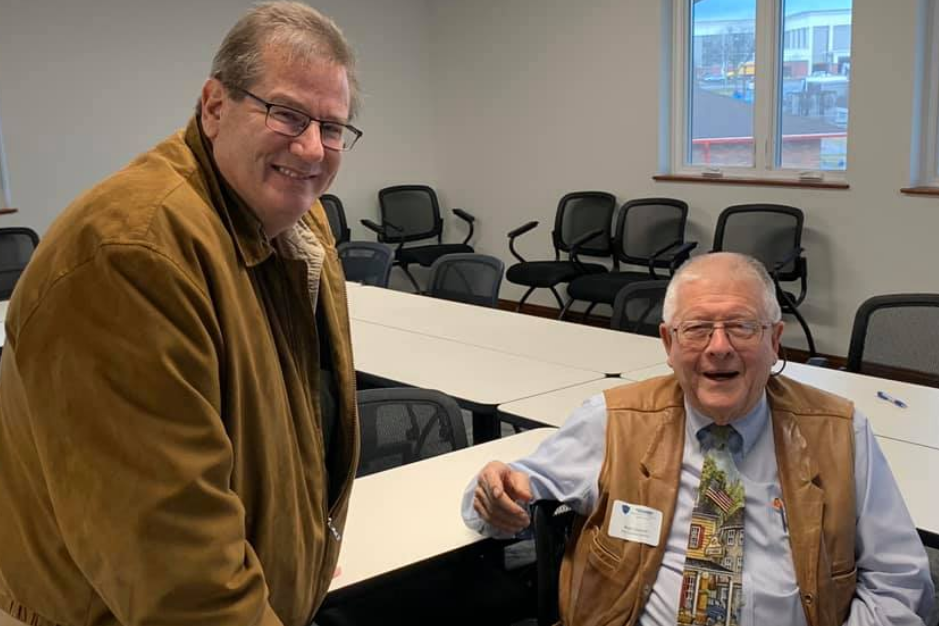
(812, 94)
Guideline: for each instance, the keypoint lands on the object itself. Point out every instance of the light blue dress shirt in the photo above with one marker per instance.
(894, 586)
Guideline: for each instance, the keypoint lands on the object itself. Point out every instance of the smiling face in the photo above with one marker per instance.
(278, 177)
(722, 380)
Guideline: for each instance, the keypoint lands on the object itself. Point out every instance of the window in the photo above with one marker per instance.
(926, 121)
(761, 88)
(695, 537)
(5, 200)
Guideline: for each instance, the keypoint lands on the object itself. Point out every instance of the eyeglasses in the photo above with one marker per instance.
(292, 123)
(696, 334)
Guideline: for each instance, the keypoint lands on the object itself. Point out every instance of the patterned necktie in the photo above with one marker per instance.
(711, 579)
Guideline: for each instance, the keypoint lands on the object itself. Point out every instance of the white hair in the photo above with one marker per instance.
(740, 266)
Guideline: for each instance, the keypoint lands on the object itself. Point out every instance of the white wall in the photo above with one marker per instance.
(541, 97)
(503, 105)
(86, 86)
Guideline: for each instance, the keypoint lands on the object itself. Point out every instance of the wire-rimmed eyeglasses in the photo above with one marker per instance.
(290, 122)
(696, 334)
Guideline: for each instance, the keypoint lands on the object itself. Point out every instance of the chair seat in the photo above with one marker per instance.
(426, 255)
(548, 273)
(603, 287)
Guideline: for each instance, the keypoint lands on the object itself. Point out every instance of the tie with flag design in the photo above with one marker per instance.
(711, 580)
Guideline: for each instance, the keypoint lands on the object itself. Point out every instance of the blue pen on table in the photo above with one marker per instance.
(889, 398)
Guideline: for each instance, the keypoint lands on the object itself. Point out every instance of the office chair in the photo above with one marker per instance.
(770, 233)
(401, 425)
(16, 249)
(333, 207)
(896, 332)
(366, 262)
(638, 307)
(582, 219)
(651, 233)
(552, 524)
(411, 213)
(469, 278)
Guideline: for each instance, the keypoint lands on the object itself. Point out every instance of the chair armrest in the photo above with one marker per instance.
(576, 247)
(794, 254)
(676, 259)
(469, 219)
(515, 233)
(521, 230)
(378, 230)
(551, 529)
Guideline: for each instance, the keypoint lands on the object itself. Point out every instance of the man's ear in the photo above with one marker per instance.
(667, 338)
(212, 99)
(776, 332)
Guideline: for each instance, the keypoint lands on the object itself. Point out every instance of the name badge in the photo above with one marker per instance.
(635, 522)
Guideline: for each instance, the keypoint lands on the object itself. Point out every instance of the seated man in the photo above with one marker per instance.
(721, 494)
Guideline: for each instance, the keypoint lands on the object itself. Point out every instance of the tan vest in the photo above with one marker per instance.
(607, 581)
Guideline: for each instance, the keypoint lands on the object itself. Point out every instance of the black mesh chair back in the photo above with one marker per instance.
(638, 307)
(895, 336)
(582, 227)
(650, 234)
(333, 207)
(767, 232)
(16, 248)
(648, 225)
(771, 233)
(469, 278)
(413, 211)
(552, 524)
(366, 262)
(404, 425)
(580, 213)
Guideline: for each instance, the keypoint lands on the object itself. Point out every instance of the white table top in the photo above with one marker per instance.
(466, 372)
(919, 423)
(382, 535)
(915, 470)
(3, 317)
(554, 408)
(575, 345)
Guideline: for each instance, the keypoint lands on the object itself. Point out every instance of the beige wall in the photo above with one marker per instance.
(540, 97)
(86, 85)
(504, 105)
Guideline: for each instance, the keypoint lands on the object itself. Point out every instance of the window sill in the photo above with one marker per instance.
(920, 191)
(758, 182)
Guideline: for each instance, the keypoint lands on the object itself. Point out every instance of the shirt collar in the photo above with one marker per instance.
(246, 229)
(750, 426)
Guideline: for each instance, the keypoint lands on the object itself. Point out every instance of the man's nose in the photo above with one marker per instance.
(719, 343)
(308, 146)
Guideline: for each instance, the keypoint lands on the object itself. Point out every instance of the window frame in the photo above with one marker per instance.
(926, 173)
(768, 68)
(6, 199)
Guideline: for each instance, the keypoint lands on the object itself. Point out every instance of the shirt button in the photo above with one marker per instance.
(808, 598)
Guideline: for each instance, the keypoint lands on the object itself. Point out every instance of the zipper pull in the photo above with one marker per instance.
(336, 533)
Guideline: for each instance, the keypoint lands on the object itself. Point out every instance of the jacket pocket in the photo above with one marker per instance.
(843, 590)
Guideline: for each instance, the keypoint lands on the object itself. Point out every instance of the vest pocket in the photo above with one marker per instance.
(843, 590)
(609, 573)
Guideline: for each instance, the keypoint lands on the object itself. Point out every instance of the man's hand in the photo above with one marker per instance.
(498, 489)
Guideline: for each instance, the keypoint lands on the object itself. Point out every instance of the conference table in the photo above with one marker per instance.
(3, 315)
(406, 515)
(600, 350)
(479, 378)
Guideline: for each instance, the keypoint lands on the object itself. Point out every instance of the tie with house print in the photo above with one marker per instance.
(711, 579)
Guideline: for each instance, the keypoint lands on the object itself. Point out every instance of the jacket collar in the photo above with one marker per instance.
(246, 229)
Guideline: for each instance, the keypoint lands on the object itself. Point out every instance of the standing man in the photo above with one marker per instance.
(719, 494)
(178, 432)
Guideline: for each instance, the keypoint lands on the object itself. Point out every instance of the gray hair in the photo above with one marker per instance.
(303, 32)
(738, 265)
